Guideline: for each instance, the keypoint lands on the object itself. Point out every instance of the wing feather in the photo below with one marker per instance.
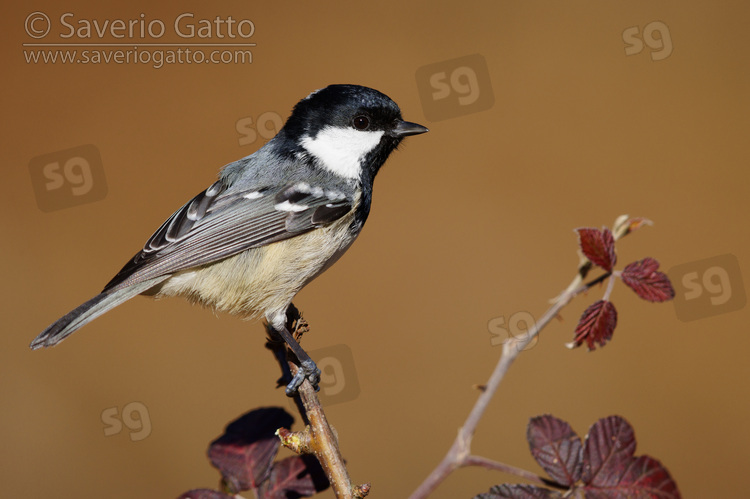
(218, 223)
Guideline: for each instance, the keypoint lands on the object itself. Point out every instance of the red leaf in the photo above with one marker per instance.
(609, 445)
(598, 246)
(556, 448)
(300, 475)
(518, 491)
(204, 494)
(646, 474)
(245, 451)
(643, 278)
(611, 470)
(596, 325)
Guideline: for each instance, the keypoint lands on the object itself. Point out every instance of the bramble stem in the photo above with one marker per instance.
(320, 438)
(460, 452)
(324, 444)
(506, 468)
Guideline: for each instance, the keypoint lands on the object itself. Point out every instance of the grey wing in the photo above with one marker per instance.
(217, 224)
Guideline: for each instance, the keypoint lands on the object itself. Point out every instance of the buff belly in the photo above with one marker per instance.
(264, 280)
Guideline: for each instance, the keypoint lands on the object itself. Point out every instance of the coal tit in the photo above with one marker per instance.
(272, 222)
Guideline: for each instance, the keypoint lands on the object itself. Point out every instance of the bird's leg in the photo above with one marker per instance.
(307, 368)
(278, 347)
(279, 325)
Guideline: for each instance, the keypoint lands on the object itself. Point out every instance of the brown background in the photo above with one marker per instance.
(470, 222)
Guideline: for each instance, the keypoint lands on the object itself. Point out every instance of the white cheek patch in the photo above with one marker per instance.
(341, 149)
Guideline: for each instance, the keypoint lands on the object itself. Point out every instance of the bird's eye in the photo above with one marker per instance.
(361, 122)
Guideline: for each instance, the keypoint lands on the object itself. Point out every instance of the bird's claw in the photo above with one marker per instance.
(307, 370)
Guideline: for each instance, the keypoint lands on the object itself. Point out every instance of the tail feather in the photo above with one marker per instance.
(87, 312)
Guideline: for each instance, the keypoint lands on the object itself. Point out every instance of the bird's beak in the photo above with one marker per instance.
(404, 128)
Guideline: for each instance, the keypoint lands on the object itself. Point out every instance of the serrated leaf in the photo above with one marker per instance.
(596, 325)
(612, 471)
(204, 494)
(519, 491)
(556, 448)
(648, 283)
(609, 446)
(295, 476)
(647, 475)
(245, 451)
(598, 246)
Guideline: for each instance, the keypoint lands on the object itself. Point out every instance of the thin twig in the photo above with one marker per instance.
(318, 437)
(460, 452)
(323, 442)
(506, 468)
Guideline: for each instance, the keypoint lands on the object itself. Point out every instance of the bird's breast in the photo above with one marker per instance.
(264, 280)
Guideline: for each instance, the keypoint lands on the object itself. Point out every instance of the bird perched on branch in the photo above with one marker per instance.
(273, 221)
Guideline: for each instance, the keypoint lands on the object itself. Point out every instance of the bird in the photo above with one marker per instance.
(270, 224)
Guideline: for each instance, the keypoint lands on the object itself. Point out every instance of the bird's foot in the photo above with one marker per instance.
(307, 370)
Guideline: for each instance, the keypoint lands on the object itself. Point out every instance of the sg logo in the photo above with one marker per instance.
(454, 88)
(134, 415)
(518, 326)
(338, 377)
(708, 287)
(661, 46)
(267, 125)
(68, 178)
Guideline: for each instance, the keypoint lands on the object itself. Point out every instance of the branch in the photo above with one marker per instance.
(506, 468)
(323, 443)
(318, 437)
(460, 452)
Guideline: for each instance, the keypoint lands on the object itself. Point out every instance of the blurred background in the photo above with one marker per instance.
(542, 118)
